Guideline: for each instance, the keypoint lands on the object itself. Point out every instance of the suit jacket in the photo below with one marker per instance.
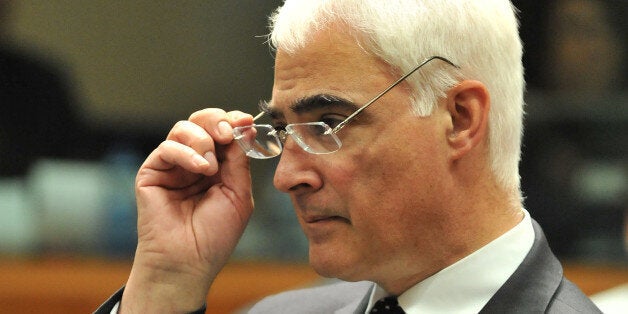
(537, 286)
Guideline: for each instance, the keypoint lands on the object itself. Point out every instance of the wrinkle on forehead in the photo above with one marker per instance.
(332, 62)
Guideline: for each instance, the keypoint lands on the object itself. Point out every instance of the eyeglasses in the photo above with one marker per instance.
(263, 141)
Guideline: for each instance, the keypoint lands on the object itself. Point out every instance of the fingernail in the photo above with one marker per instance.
(200, 161)
(224, 128)
(209, 157)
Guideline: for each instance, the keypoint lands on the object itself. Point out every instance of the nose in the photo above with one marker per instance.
(296, 170)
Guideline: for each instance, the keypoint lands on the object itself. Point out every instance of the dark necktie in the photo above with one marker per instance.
(387, 305)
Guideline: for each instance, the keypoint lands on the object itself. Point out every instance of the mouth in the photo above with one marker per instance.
(324, 219)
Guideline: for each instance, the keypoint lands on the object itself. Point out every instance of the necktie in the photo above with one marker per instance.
(387, 305)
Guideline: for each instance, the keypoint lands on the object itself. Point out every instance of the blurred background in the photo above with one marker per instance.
(89, 88)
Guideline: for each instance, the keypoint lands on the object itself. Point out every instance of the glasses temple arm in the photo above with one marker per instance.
(348, 119)
(259, 115)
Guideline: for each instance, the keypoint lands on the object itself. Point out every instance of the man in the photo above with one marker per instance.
(405, 185)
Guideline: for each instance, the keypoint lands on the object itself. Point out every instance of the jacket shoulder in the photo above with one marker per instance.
(570, 299)
(319, 299)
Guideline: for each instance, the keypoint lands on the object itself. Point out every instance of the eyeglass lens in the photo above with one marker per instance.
(258, 141)
(262, 141)
(314, 137)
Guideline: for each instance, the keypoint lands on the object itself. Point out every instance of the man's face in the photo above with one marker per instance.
(370, 210)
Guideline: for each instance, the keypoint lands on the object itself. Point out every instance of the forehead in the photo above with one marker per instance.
(332, 63)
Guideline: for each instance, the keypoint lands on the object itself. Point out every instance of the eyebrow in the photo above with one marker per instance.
(311, 103)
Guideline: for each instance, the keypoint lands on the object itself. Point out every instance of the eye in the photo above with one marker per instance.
(279, 126)
(332, 119)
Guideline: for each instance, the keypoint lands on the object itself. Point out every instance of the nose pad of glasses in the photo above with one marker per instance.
(282, 135)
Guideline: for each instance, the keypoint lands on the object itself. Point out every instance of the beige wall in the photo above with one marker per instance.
(147, 63)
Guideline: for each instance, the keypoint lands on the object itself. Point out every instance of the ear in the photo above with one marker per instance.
(468, 104)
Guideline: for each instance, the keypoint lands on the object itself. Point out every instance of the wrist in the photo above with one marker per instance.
(164, 291)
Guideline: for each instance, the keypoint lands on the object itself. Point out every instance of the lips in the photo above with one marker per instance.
(320, 227)
(324, 218)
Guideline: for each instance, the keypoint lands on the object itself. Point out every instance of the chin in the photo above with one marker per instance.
(332, 263)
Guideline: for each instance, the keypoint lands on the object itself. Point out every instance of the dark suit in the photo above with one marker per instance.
(537, 286)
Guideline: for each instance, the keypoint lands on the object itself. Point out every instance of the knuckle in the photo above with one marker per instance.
(237, 114)
(178, 126)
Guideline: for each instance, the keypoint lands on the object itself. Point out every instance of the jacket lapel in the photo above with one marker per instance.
(531, 287)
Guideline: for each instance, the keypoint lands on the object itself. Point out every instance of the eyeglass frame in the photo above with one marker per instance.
(282, 134)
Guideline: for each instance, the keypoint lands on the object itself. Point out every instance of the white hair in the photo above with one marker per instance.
(479, 36)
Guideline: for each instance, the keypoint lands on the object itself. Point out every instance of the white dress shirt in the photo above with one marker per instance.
(467, 285)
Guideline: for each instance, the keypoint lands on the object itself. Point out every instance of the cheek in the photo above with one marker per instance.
(396, 182)
(388, 169)
(372, 186)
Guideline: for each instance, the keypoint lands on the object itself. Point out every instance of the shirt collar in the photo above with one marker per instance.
(467, 285)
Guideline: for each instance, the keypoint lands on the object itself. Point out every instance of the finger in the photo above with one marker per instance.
(169, 155)
(192, 135)
(235, 174)
(219, 124)
(239, 118)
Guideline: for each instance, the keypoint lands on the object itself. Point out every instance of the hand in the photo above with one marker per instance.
(194, 201)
